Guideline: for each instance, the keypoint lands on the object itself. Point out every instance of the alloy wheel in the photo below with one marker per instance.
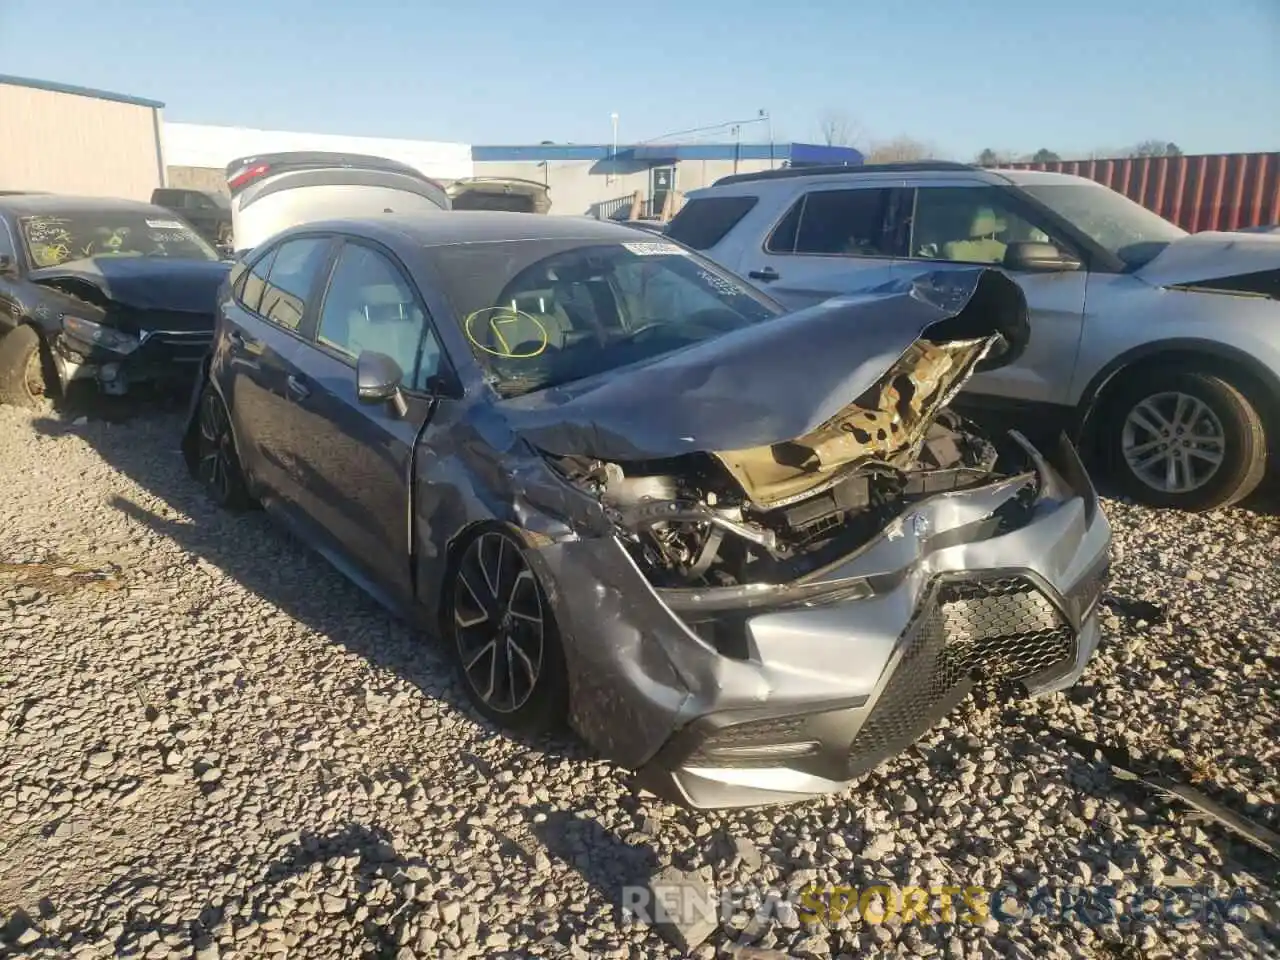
(216, 447)
(499, 622)
(1173, 442)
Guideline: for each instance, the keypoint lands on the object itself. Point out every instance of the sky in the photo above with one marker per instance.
(960, 75)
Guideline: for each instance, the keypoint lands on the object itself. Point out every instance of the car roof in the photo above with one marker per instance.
(452, 227)
(31, 204)
(750, 184)
(1029, 177)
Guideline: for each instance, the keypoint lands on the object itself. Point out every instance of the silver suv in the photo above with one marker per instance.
(1158, 351)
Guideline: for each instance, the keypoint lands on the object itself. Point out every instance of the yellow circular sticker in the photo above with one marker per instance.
(498, 321)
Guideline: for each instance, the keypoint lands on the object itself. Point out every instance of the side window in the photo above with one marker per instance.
(6, 241)
(703, 223)
(370, 306)
(849, 223)
(293, 271)
(255, 282)
(846, 222)
(967, 224)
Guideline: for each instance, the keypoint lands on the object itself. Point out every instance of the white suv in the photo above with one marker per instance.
(1158, 351)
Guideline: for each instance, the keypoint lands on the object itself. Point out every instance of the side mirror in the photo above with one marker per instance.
(1033, 257)
(378, 380)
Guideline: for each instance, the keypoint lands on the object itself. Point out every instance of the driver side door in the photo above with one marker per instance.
(973, 223)
(355, 457)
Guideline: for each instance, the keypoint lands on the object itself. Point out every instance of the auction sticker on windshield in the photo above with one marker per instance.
(655, 249)
(165, 225)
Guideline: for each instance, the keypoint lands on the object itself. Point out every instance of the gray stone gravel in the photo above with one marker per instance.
(218, 748)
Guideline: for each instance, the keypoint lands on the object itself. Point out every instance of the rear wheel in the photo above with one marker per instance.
(218, 465)
(1191, 441)
(504, 635)
(24, 373)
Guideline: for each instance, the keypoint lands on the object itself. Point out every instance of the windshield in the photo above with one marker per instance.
(539, 313)
(54, 239)
(1113, 221)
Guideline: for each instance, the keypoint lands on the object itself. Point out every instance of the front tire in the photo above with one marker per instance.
(1189, 441)
(25, 378)
(503, 635)
(217, 463)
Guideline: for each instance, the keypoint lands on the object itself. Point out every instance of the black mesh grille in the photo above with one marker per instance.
(998, 629)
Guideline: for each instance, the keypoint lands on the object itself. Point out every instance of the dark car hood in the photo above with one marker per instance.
(774, 381)
(144, 283)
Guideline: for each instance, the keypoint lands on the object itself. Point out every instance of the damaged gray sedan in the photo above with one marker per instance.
(748, 554)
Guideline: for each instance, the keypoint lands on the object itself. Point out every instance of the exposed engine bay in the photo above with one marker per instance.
(773, 514)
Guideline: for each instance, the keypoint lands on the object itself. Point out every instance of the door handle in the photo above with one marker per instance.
(767, 274)
(297, 388)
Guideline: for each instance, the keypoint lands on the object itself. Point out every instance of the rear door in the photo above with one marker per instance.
(271, 300)
(355, 459)
(965, 222)
(834, 237)
(273, 192)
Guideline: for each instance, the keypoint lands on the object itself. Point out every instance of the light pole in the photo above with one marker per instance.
(767, 118)
(613, 161)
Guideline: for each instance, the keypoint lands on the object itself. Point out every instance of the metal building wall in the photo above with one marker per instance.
(64, 140)
(1225, 191)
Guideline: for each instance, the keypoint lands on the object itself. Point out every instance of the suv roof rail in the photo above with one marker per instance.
(827, 169)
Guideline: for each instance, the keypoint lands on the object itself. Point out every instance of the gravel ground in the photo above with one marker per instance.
(218, 748)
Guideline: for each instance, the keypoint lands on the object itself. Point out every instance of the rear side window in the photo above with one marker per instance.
(848, 223)
(292, 276)
(255, 282)
(704, 222)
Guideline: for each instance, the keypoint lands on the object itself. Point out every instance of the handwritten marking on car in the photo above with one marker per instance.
(495, 319)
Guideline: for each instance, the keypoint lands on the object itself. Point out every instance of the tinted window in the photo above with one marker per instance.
(968, 224)
(293, 271)
(844, 223)
(783, 238)
(541, 312)
(370, 306)
(703, 223)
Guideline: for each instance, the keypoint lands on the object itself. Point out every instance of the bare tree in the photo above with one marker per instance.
(900, 149)
(839, 129)
(1155, 148)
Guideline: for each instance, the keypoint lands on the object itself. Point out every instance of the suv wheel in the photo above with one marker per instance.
(1190, 441)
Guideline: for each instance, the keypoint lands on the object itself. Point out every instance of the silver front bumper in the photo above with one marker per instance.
(808, 694)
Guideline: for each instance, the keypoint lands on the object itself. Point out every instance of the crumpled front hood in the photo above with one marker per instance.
(1212, 256)
(145, 283)
(772, 382)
